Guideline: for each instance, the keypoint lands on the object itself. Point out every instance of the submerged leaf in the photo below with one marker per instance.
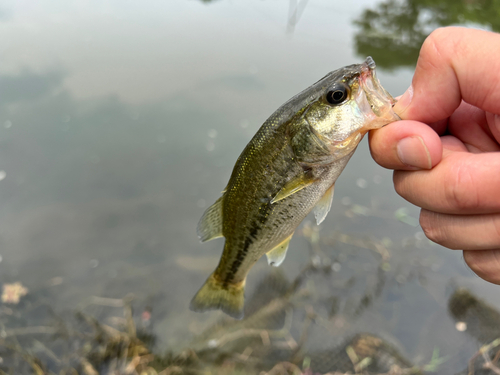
(12, 293)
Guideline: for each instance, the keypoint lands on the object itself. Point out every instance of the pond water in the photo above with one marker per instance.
(120, 123)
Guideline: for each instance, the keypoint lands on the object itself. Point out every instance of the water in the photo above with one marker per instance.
(120, 123)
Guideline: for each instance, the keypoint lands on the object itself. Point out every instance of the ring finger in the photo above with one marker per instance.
(485, 263)
(462, 232)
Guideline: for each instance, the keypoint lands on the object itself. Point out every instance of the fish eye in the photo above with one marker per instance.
(337, 94)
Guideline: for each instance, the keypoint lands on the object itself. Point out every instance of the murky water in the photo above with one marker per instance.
(120, 123)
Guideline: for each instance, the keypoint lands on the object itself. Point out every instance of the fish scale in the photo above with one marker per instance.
(288, 169)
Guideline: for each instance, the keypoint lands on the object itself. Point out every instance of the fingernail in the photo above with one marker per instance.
(413, 152)
(404, 101)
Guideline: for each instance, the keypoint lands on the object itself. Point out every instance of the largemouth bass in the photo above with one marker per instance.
(288, 169)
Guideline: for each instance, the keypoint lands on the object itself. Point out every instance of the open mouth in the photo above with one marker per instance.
(379, 100)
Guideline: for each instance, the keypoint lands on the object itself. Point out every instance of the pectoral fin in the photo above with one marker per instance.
(294, 185)
(277, 255)
(323, 206)
(210, 225)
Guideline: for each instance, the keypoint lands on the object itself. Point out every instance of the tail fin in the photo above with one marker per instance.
(213, 295)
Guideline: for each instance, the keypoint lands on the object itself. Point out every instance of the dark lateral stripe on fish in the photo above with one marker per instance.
(240, 255)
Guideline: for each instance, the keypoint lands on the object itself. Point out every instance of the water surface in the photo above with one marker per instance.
(120, 122)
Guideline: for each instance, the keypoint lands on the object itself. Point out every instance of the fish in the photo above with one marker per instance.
(287, 170)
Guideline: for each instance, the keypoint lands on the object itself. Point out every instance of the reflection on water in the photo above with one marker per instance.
(393, 31)
(28, 85)
(114, 137)
(295, 11)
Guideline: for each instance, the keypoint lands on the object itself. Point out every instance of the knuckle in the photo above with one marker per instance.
(401, 185)
(431, 52)
(432, 230)
(441, 43)
(496, 229)
(440, 35)
(460, 192)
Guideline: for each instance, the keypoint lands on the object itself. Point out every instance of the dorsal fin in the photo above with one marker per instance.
(277, 255)
(210, 225)
(323, 206)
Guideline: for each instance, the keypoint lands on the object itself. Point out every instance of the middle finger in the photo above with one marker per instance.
(462, 183)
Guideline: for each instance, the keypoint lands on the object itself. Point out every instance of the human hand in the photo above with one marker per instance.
(446, 151)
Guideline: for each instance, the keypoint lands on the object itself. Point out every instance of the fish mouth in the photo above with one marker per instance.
(370, 83)
(379, 100)
(370, 63)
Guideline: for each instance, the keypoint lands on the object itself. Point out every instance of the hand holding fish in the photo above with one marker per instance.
(446, 151)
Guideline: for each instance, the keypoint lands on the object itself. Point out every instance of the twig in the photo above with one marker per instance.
(124, 352)
(243, 357)
(496, 357)
(102, 301)
(266, 341)
(492, 367)
(30, 331)
(47, 351)
(489, 365)
(264, 334)
(171, 370)
(25, 355)
(310, 316)
(483, 351)
(246, 332)
(130, 369)
(87, 367)
(100, 328)
(127, 311)
(283, 368)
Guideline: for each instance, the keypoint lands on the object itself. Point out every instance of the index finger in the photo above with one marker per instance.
(454, 63)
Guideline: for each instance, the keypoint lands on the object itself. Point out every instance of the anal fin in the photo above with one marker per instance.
(210, 225)
(294, 185)
(277, 255)
(323, 206)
